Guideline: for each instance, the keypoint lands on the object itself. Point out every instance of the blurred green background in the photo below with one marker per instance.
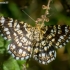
(59, 14)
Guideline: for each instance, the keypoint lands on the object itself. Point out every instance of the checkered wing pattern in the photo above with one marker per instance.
(19, 34)
(37, 42)
(55, 36)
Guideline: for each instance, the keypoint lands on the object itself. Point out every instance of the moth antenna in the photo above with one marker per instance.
(28, 15)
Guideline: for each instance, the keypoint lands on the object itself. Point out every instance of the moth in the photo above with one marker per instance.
(38, 42)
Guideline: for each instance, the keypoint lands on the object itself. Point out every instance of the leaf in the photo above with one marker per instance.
(5, 68)
(11, 64)
(1, 42)
(7, 43)
(21, 63)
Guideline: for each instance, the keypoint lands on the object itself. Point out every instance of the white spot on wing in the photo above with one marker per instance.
(2, 20)
(59, 40)
(20, 44)
(61, 37)
(52, 59)
(29, 48)
(54, 53)
(66, 30)
(40, 55)
(15, 34)
(20, 51)
(8, 47)
(43, 54)
(26, 57)
(48, 61)
(18, 26)
(13, 46)
(10, 24)
(7, 32)
(39, 61)
(22, 58)
(5, 29)
(45, 48)
(13, 55)
(67, 40)
(5, 38)
(17, 58)
(43, 62)
(60, 46)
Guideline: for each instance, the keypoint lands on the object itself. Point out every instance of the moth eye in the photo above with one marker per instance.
(36, 42)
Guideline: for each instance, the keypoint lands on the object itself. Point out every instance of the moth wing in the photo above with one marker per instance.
(20, 36)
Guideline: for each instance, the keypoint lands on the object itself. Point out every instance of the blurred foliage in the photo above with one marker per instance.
(59, 14)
